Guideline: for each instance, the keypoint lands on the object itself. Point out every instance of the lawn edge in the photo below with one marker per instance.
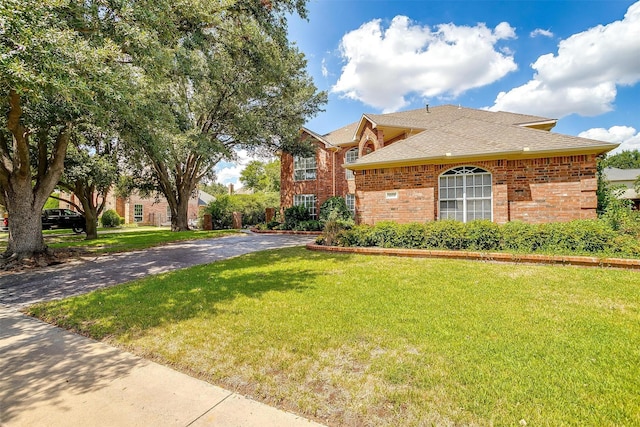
(588, 261)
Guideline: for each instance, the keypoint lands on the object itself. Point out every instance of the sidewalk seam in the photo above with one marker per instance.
(208, 410)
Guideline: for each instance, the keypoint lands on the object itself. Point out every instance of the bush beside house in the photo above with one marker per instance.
(592, 237)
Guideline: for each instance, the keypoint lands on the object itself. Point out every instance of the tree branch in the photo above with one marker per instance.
(75, 205)
(20, 135)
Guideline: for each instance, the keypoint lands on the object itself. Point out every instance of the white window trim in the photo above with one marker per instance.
(303, 200)
(138, 218)
(305, 165)
(391, 195)
(346, 200)
(464, 187)
(348, 173)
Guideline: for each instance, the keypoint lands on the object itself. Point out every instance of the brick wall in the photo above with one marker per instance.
(534, 190)
(330, 177)
(154, 211)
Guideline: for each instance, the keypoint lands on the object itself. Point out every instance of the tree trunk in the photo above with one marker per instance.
(25, 221)
(91, 216)
(23, 194)
(180, 217)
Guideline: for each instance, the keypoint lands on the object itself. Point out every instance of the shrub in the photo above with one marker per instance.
(411, 236)
(385, 234)
(110, 218)
(333, 228)
(271, 225)
(251, 206)
(519, 236)
(335, 208)
(359, 235)
(446, 234)
(295, 215)
(483, 235)
(310, 225)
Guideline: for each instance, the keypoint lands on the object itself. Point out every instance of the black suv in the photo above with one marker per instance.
(63, 218)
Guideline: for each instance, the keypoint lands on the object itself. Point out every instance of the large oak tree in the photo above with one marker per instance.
(234, 82)
(54, 70)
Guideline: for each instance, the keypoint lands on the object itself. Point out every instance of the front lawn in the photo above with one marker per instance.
(373, 340)
(127, 239)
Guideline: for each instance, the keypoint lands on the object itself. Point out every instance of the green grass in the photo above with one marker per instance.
(131, 240)
(372, 340)
(128, 239)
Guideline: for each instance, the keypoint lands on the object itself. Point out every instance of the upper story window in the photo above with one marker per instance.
(350, 157)
(465, 194)
(304, 168)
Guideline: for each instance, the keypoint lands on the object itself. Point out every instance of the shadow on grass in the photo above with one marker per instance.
(181, 295)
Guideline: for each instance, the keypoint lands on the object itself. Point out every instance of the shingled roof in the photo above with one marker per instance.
(451, 133)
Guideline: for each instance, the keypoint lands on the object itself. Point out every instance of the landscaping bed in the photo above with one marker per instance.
(589, 261)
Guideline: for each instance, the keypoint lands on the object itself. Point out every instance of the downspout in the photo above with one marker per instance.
(333, 159)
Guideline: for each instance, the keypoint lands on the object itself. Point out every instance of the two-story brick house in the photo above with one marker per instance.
(448, 162)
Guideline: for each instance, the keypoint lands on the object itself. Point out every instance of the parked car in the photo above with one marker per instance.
(63, 218)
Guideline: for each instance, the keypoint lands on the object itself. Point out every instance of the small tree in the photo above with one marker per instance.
(335, 207)
(261, 177)
(91, 170)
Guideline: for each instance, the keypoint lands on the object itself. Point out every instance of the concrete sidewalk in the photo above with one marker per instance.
(52, 377)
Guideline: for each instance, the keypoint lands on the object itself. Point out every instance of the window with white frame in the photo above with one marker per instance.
(137, 213)
(308, 201)
(465, 194)
(350, 200)
(168, 213)
(350, 157)
(304, 168)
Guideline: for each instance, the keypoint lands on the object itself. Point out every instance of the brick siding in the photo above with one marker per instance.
(549, 189)
(329, 164)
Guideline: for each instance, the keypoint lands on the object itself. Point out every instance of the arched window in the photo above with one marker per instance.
(350, 157)
(465, 194)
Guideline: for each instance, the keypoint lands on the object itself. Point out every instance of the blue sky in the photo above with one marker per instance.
(577, 61)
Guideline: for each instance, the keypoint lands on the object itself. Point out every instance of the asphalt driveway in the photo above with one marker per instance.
(20, 289)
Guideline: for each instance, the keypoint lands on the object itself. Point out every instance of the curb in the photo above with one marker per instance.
(632, 264)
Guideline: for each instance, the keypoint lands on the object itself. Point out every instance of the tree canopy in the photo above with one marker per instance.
(56, 68)
(234, 83)
(261, 176)
(628, 159)
(184, 84)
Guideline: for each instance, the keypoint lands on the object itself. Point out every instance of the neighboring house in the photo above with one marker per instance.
(147, 210)
(448, 162)
(624, 178)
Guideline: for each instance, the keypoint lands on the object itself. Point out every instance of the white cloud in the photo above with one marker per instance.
(626, 136)
(230, 175)
(540, 32)
(323, 67)
(384, 66)
(583, 77)
(229, 172)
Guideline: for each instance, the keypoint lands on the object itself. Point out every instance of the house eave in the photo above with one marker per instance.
(313, 134)
(505, 155)
(546, 125)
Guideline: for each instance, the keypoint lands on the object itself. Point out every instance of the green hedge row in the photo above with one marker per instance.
(575, 237)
